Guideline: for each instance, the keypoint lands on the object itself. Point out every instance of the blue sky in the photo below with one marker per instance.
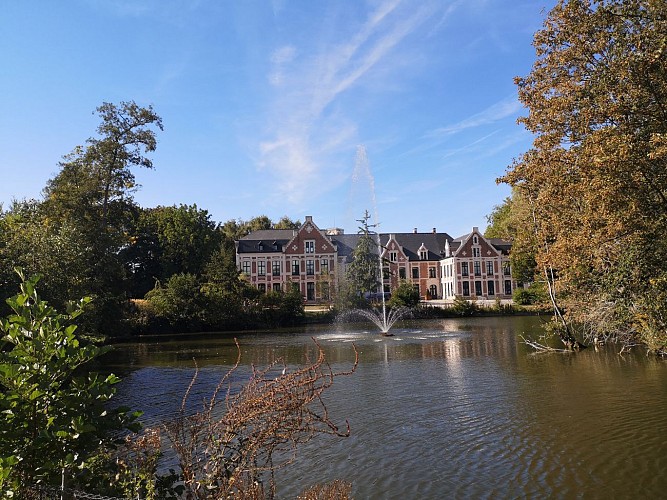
(280, 107)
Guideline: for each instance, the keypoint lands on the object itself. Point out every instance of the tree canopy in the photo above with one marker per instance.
(364, 271)
(594, 182)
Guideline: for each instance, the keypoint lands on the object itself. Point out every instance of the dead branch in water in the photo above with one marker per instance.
(227, 451)
(541, 347)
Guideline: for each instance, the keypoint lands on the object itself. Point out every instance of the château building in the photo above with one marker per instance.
(437, 265)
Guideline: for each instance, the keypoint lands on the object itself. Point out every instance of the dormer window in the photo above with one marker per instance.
(260, 246)
(423, 252)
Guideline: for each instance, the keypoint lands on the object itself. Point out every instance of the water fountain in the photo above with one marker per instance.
(383, 319)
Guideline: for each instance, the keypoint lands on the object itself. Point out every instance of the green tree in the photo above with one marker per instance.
(363, 274)
(168, 241)
(93, 192)
(236, 228)
(405, 295)
(500, 221)
(512, 221)
(55, 416)
(286, 223)
(595, 179)
(37, 244)
(181, 301)
(97, 175)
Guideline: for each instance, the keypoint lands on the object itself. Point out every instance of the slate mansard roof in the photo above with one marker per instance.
(275, 240)
(265, 241)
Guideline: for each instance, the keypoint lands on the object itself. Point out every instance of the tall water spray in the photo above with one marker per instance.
(362, 172)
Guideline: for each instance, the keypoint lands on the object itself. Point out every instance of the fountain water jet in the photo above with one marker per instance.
(386, 319)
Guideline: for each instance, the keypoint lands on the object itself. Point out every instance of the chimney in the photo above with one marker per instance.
(433, 230)
(414, 230)
(309, 218)
(475, 229)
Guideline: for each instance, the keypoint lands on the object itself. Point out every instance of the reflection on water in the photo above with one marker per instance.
(449, 408)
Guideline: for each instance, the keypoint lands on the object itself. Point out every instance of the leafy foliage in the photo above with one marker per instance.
(463, 307)
(55, 416)
(405, 295)
(363, 274)
(595, 182)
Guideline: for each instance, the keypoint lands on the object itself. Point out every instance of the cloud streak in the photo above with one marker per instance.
(305, 128)
(502, 109)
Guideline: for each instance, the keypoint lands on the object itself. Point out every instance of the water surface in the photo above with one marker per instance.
(455, 408)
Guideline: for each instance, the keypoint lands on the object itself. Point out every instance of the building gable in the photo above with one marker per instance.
(393, 249)
(474, 241)
(309, 234)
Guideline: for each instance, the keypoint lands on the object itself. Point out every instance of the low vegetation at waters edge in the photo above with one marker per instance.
(58, 426)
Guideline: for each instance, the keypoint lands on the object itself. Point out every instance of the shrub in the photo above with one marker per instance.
(53, 414)
(523, 297)
(464, 307)
(405, 295)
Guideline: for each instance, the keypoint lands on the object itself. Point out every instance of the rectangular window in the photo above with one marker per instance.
(431, 272)
(489, 268)
(401, 273)
(295, 268)
(478, 268)
(245, 267)
(325, 291)
(415, 272)
(393, 256)
(276, 287)
(478, 288)
(324, 266)
(423, 255)
(508, 287)
(506, 269)
(466, 288)
(310, 267)
(261, 268)
(475, 252)
(385, 273)
(310, 246)
(464, 269)
(261, 287)
(310, 291)
(275, 268)
(491, 287)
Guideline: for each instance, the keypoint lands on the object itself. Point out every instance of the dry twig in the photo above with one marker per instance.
(259, 429)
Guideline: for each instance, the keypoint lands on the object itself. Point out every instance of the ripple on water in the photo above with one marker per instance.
(463, 412)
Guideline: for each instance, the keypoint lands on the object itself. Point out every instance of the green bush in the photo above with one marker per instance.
(405, 295)
(523, 297)
(464, 307)
(54, 414)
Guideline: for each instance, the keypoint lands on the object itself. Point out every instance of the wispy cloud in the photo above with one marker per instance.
(305, 126)
(280, 57)
(502, 109)
(470, 146)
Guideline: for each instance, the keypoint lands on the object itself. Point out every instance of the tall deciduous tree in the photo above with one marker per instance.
(595, 180)
(93, 192)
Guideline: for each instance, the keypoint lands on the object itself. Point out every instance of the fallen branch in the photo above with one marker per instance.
(541, 347)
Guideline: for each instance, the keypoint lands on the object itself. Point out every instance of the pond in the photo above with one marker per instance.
(454, 408)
